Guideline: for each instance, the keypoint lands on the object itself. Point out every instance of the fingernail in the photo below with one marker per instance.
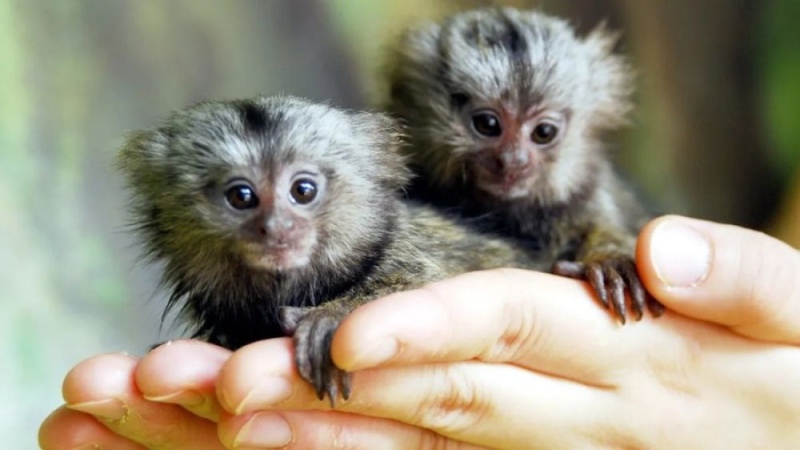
(186, 398)
(111, 409)
(88, 447)
(271, 390)
(680, 255)
(264, 430)
(381, 351)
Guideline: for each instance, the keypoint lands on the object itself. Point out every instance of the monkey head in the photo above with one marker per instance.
(507, 102)
(271, 186)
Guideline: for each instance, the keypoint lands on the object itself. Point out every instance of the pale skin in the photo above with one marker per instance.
(534, 366)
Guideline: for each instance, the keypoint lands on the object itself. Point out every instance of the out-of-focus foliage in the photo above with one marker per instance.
(780, 56)
(779, 50)
(76, 75)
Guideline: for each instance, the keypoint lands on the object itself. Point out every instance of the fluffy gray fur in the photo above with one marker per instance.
(359, 240)
(573, 209)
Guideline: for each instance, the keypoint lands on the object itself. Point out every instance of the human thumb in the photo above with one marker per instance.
(733, 276)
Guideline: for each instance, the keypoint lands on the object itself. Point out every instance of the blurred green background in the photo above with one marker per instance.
(716, 136)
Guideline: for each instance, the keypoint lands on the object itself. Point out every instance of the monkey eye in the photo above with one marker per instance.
(544, 133)
(486, 123)
(241, 196)
(303, 191)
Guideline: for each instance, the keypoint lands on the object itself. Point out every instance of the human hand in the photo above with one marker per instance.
(361, 432)
(166, 400)
(513, 359)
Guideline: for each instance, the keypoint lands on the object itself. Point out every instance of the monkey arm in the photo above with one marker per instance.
(604, 241)
(313, 327)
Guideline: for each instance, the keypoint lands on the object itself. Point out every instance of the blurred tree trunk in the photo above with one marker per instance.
(786, 225)
(698, 58)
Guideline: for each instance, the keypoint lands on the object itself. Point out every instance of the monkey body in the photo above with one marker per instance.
(277, 216)
(503, 110)
(553, 230)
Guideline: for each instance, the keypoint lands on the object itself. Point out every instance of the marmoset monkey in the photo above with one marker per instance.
(503, 109)
(280, 216)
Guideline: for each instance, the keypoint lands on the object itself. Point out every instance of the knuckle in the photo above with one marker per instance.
(341, 436)
(332, 434)
(209, 409)
(314, 431)
(516, 336)
(673, 366)
(453, 405)
(164, 438)
(769, 285)
(643, 421)
(432, 441)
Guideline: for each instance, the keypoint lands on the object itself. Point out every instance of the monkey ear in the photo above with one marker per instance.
(410, 61)
(612, 77)
(385, 135)
(136, 159)
(141, 145)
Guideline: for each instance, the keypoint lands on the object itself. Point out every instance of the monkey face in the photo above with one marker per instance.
(511, 148)
(273, 184)
(254, 204)
(276, 216)
(507, 101)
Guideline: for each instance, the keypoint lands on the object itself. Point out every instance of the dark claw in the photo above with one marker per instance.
(570, 269)
(333, 391)
(594, 272)
(320, 348)
(347, 385)
(320, 390)
(616, 290)
(655, 307)
(637, 291)
(317, 367)
(302, 354)
(610, 277)
(313, 330)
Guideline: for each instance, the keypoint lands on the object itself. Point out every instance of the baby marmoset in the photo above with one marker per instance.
(278, 215)
(504, 109)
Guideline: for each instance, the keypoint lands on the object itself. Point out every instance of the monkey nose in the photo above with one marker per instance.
(276, 226)
(279, 223)
(514, 159)
(278, 239)
(509, 164)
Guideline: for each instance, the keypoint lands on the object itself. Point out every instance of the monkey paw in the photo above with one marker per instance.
(609, 277)
(313, 328)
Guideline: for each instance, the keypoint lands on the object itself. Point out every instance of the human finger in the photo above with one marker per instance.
(725, 274)
(461, 400)
(104, 387)
(711, 376)
(539, 321)
(328, 429)
(65, 429)
(184, 373)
